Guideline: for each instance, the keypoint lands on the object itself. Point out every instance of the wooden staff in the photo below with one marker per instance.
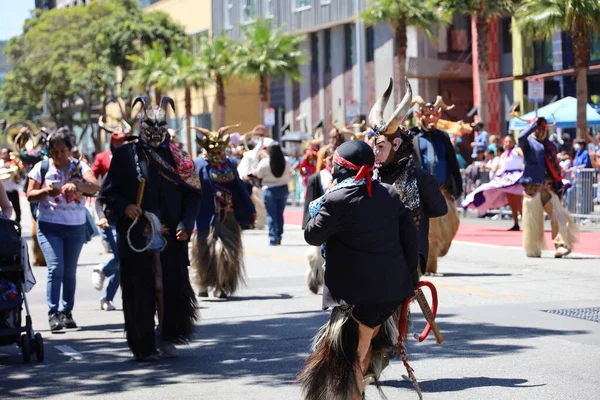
(140, 192)
(428, 314)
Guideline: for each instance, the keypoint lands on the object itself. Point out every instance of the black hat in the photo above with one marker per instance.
(356, 152)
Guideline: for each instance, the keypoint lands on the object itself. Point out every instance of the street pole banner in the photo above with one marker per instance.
(535, 90)
(269, 117)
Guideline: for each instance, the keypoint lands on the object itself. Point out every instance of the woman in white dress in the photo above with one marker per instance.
(505, 188)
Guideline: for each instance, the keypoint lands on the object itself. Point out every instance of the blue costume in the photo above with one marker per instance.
(225, 210)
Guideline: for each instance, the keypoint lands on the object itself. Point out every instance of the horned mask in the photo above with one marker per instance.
(154, 125)
(543, 125)
(215, 143)
(429, 113)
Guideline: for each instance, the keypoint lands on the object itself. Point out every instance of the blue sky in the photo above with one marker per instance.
(12, 15)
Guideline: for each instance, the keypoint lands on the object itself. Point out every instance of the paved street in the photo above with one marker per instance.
(500, 341)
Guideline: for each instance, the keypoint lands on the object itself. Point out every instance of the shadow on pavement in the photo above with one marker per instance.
(458, 384)
(281, 296)
(461, 275)
(269, 352)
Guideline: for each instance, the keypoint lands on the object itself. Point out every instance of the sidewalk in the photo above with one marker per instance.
(489, 232)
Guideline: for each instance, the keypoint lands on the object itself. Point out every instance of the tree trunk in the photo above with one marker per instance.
(581, 51)
(220, 100)
(401, 43)
(157, 95)
(264, 95)
(188, 118)
(483, 66)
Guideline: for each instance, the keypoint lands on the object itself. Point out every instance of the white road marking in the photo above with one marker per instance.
(69, 352)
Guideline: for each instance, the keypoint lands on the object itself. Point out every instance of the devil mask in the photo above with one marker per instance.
(154, 125)
(429, 113)
(389, 134)
(215, 143)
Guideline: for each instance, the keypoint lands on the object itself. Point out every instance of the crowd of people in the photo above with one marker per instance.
(385, 196)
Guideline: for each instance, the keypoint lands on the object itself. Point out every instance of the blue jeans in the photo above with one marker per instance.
(275, 201)
(61, 245)
(111, 267)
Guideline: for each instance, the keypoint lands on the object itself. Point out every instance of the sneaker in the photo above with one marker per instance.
(67, 320)
(146, 357)
(107, 305)
(98, 278)
(55, 322)
(166, 349)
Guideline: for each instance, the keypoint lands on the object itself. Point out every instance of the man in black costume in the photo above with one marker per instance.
(153, 232)
(417, 188)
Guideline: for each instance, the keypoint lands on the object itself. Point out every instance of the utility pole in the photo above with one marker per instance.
(360, 59)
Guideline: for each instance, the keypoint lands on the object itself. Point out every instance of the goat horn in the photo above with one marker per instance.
(204, 131)
(401, 111)
(102, 126)
(375, 119)
(439, 104)
(553, 124)
(224, 129)
(144, 100)
(164, 101)
(127, 127)
(514, 113)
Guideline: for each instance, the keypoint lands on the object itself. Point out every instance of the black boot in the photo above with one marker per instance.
(67, 320)
(55, 322)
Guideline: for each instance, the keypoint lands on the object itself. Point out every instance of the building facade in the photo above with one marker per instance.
(331, 78)
(241, 97)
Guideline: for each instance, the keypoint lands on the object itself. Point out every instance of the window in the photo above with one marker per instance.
(349, 46)
(301, 4)
(325, 2)
(228, 13)
(459, 33)
(595, 48)
(269, 10)
(506, 35)
(542, 52)
(314, 50)
(370, 43)
(248, 11)
(327, 49)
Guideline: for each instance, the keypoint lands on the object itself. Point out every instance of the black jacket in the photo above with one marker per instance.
(455, 185)
(433, 205)
(314, 190)
(175, 206)
(372, 245)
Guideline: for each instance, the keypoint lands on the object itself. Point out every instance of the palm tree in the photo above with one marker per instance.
(483, 11)
(186, 70)
(217, 54)
(149, 70)
(268, 53)
(581, 18)
(425, 15)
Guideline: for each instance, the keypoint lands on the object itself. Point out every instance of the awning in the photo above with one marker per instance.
(565, 112)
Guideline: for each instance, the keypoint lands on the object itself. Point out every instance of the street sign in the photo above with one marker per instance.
(535, 90)
(352, 109)
(269, 117)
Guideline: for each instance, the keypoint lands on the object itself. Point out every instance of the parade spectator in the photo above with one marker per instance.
(462, 163)
(58, 185)
(6, 208)
(582, 156)
(565, 160)
(494, 143)
(482, 139)
(274, 170)
(11, 185)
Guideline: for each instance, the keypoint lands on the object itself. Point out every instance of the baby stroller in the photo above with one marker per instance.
(16, 279)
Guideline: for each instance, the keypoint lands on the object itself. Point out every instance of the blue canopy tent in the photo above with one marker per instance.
(565, 112)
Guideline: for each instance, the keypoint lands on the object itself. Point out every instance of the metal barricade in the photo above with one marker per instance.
(582, 198)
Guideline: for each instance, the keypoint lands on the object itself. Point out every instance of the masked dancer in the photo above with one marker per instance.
(542, 179)
(394, 149)
(434, 153)
(370, 246)
(226, 209)
(152, 191)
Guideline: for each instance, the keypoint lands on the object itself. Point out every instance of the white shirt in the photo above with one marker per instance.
(9, 185)
(263, 171)
(59, 209)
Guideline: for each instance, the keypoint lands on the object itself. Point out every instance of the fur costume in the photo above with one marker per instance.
(442, 231)
(218, 257)
(162, 180)
(542, 180)
(314, 273)
(226, 208)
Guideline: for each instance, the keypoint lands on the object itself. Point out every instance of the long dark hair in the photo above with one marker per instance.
(276, 160)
